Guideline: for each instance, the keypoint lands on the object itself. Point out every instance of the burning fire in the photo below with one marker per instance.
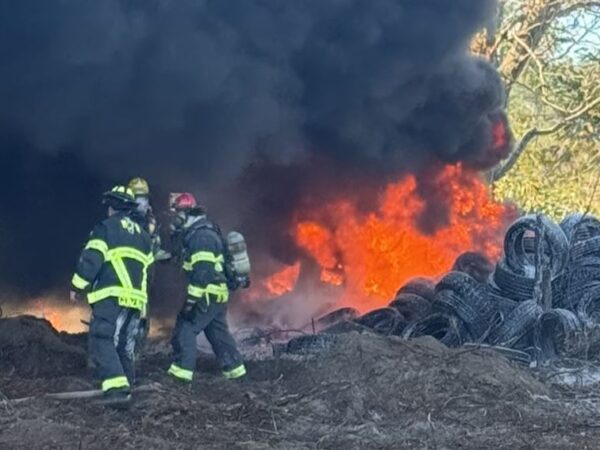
(62, 316)
(319, 242)
(363, 257)
(370, 255)
(73, 318)
(279, 283)
(283, 281)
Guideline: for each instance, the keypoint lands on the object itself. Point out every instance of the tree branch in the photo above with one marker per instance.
(533, 133)
(570, 7)
(532, 55)
(501, 171)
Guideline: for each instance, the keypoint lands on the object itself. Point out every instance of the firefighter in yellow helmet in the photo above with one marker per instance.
(112, 273)
(145, 217)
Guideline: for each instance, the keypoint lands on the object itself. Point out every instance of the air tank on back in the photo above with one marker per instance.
(239, 259)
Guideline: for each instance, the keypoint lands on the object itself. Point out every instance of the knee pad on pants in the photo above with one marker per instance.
(102, 329)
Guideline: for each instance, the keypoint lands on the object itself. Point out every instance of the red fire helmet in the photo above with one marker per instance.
(185, 202)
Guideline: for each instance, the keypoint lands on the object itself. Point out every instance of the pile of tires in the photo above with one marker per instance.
(498, 306)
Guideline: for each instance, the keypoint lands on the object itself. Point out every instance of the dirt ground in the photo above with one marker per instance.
(362, 391)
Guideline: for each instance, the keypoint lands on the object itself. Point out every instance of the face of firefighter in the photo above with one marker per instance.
(143, 204)
(111, 211)
(179, 220)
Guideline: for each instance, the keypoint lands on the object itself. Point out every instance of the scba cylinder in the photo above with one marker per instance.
(238, 251)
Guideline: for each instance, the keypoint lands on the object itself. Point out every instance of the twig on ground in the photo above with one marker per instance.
(451, 399)
(274, 422)
(432, 428)
(267, 431)
(454, 355)
(5, 401)
(404, 343)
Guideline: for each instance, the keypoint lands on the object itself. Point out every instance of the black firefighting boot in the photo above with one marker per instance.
(119, 398)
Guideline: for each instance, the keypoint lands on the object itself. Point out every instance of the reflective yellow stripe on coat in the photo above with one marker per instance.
(218, 290)
(128, 295)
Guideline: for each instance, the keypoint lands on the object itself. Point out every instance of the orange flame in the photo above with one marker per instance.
(318, 241)
(374, 254)
(283, 281)
(63, 317)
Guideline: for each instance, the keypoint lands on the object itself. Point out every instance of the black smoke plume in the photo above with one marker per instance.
(215, 94)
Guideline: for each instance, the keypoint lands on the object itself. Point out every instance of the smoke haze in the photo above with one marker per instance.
(251, 103)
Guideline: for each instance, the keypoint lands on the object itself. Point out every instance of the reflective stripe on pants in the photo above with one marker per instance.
(236, 372)
(219, 292)
(115, 383)
(113, 330)
(180, 373)
(213, 322)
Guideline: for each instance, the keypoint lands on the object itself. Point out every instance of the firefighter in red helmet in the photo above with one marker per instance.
(185, 202)
(203, 253)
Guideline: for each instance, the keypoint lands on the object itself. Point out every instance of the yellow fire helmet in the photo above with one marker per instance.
(120, 198)
(139, 186)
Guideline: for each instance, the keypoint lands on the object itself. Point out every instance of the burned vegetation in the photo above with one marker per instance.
(386, 379)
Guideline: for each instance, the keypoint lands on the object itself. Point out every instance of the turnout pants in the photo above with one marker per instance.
(113, 331)
(213, 321)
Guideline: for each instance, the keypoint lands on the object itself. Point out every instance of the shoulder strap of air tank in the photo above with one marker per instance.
(207, 224)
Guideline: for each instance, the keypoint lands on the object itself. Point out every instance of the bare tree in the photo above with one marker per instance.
(549, 48)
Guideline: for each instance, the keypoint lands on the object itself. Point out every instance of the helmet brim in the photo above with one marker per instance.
(117, 200)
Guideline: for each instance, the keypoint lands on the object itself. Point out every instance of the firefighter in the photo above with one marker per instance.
(112, 271)
(203, 253)
(145, 217)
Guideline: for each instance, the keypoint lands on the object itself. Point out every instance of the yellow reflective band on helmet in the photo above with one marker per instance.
(238, 372)
(220, 291)
(115, 383)
(79, 282)
(98, 245)
(181, 373)
(123, 190)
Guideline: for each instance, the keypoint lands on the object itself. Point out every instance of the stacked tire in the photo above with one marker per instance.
(479, 303)
(503, 311)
